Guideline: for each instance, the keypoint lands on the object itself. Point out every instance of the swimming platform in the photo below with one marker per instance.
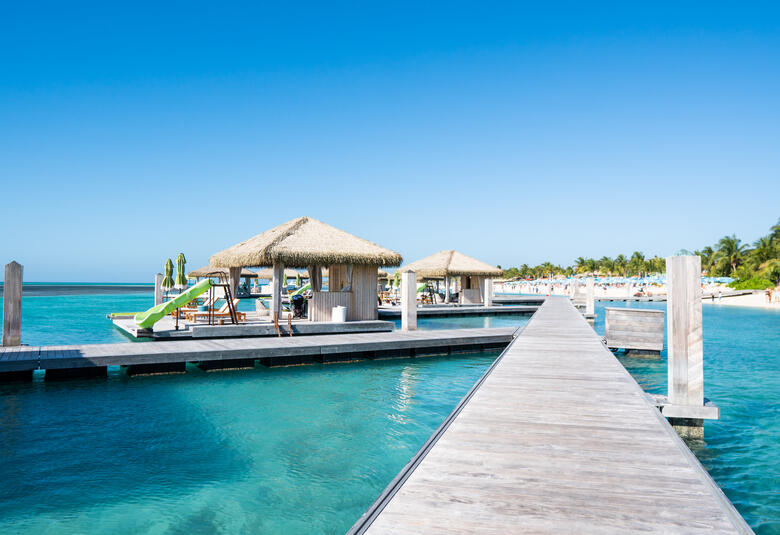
(556, 437)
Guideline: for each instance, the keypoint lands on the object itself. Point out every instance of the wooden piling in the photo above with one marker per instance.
(158, 292)
(408, 301)
(12, 305)
(590, 296)
(488, 299)
(686, 351)
(276, 289)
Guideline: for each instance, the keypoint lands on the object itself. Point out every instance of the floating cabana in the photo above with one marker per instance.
(470, 272)
(304, 242)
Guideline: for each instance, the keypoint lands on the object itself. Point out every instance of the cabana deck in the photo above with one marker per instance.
(255, 325)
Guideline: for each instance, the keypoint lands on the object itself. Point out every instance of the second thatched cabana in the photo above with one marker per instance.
(308, 243)
(448, 264)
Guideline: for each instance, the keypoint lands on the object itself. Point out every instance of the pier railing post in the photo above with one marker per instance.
(683, 311)
(158, 292)
(408, 301)
(276, 290)
(590, 296)
(12, 304)
(488, 292)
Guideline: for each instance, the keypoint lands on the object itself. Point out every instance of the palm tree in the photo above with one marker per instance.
(637, 263)
(606, 265)
(579, 265)
(547, 269)
(620, 264)
(730, 252)
(771, 270)
(707, 259)
(764, 250)
(774, 232)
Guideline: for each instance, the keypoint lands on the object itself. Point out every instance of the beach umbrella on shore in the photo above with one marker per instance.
(181, 277)
(167, 282)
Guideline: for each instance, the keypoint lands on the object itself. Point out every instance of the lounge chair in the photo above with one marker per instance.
(208, 303)
(222, 313)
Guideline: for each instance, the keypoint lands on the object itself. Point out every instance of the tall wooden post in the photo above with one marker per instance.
(683, 312)
(447, 289)
(276, 290)
(12, 305)
(158, 291)
(408, 301)
(590, 296)
(488, 292)
(234, 277)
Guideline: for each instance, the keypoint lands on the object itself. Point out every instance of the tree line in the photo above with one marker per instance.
(729, 257)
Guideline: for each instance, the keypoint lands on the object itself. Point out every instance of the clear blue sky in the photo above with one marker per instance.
(512, 133)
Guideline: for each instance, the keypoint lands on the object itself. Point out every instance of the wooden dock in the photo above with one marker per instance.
(440, 311)
(557, 437)
(506, 299)
(274, 351)
(253, 327)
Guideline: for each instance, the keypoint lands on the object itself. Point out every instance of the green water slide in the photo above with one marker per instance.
(147, 319)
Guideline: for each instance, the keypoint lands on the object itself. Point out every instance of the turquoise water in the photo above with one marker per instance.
(77, 314)
(742, 376)
(288, 450)
(153, 454)
(468, 322)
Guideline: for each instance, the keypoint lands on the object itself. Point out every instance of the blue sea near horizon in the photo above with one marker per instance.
(168, 447)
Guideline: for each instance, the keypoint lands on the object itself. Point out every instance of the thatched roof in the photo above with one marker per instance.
(211, 271)
(303, 242)
(451, 263)
(291, 273)
(382, 274)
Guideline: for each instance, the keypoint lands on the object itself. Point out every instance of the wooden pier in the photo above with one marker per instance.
(166, 357)
(557, 437)
(440, 311)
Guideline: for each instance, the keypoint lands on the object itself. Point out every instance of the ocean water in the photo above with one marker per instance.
(287, 450)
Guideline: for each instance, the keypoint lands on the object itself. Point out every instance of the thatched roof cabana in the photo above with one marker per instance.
(451, 264)
(211, 271)
(307, 243)
(303, 242)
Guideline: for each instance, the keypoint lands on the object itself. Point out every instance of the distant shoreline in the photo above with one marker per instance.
(50, 289)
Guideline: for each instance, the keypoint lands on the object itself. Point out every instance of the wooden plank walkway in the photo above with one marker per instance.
(556, 438)
(390, 312)
(363, 344)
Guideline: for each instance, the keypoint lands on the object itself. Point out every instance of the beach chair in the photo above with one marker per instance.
(222, 313)
(208, 303)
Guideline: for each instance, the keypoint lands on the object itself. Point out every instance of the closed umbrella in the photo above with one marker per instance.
(397, 279)
(181, 278)
(167, 282)
(298, 280)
